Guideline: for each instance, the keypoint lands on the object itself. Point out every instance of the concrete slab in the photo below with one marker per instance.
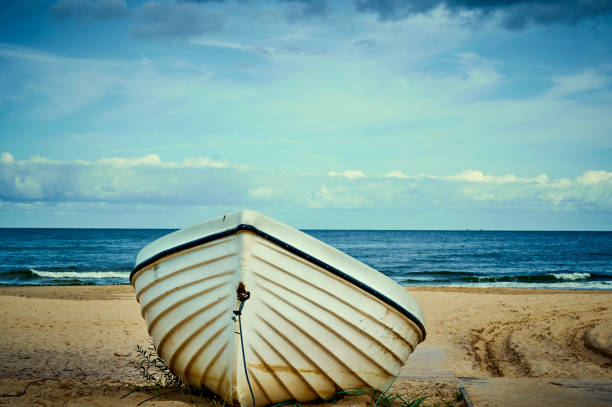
(427, 363)
(532, 392)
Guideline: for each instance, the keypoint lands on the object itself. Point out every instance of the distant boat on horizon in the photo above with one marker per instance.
(258, 312)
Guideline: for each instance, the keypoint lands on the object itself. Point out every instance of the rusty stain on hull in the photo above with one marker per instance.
(281, 368)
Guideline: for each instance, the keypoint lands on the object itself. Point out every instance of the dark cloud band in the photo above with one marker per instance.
(89, 10)
(187, 18)
(514, 14)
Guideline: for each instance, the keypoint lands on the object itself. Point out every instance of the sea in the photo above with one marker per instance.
(470, 258)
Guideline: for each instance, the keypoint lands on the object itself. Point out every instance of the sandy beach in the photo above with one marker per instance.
(75, 345)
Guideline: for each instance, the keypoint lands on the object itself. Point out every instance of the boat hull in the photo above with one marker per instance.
(308, 332)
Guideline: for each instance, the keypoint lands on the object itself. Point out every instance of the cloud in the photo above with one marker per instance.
(57, 85)
(512, 14)
(473, 176)
(347, 174)
(155, 161)
(365, 43)
(297, 8)
(585, 81)
(306, 8)
(479, 177)
(188, 18)
(145, 179)
(337, 197)
(589, 191)
(255, 49)
(262, 192)
(89, 9)
(6, 158)
(174, 20)
(595, 177)
(48, 87)
(207, 183)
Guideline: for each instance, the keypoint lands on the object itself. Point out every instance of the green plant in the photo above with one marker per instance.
(385, 398)
(157, 374)
(381, 398)
(155, 371)
(459, 396)
(292, 403)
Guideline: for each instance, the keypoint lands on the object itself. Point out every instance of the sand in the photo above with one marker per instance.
(75, 345)
(521, 333)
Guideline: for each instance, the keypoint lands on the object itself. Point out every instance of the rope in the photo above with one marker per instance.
(243, 295)
(246, 373)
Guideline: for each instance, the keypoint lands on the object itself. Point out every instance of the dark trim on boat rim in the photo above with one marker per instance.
(289, 248)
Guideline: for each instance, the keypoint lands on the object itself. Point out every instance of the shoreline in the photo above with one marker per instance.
(106, 291)
(87, 334)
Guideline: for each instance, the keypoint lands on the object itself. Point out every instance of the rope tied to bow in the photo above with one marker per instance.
(243, 295)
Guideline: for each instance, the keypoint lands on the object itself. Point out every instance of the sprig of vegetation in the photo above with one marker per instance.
(382, 398)
(386, 398)
(157, 374)
(155, 371)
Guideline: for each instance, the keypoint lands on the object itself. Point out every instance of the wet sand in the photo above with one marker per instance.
(76, 345)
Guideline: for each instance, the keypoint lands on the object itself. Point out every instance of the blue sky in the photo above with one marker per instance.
(324, 114)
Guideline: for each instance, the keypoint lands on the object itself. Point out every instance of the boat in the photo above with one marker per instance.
(261, 313)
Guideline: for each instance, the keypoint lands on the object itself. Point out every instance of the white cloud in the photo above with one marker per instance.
(46, 188)
(347, 174)
(595, 177)
(473, 176)
(38, 159)
(201, 162)
(155, 160)
(585, 81)
(479, 71)
(399, 174)
(262, 192)
(480, 177)
(337, 197)
(151, 159)
(142, 179)
(6, 158)
(205, 182)
(28, 187)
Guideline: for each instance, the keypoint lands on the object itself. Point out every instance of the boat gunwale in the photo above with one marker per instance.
(250, 228)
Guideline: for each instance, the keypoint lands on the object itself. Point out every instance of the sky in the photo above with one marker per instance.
(348, 114)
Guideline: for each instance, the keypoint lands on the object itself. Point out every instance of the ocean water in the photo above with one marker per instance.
(575, 260)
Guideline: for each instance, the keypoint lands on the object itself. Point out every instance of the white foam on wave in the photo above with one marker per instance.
(573, 285)
(571, 276)
(82, 275)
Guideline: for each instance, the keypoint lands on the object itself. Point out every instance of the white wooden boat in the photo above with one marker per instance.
(317, 320)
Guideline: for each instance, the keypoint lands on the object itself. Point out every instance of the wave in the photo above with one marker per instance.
(82, 274)
(543, 278)
(445, 277)
(44, 277)
(571, 276)
(561, 285)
